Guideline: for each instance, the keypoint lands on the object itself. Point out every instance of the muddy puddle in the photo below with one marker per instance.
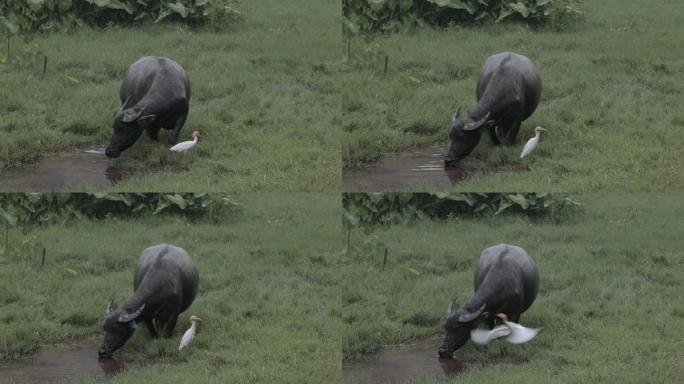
(62, 363)
(410, 362)
(419, 168)
(63, 171)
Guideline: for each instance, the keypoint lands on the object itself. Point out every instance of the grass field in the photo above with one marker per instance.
(267, 292)
(610, 99)
(609, 303)
(264, 98)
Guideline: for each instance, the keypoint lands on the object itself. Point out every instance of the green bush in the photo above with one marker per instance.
(42, 15)
(381, 208)
(37, 208)
(390, 15)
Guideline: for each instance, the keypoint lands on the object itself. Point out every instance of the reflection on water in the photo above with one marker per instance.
(63, 363)
(408, 362)
(66, 170)
(423, 167)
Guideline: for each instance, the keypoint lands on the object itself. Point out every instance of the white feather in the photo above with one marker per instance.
(520, 334)
(186, 145)
(531, 143)
(187, 337)
(484, 336)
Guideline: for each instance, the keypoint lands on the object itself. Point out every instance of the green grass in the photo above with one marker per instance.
(267, 294)
(609, 304)
(264, 97)
(610, 98)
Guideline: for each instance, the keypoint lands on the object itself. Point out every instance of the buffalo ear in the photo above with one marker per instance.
(111, 307)
(146, 117)
(126, 317)
(130, 115)
(468, 317)
(475, 125)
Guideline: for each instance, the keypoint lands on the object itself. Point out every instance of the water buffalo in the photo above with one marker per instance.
(155, 94)
(506, 281)
(508, 92)
(165, 284)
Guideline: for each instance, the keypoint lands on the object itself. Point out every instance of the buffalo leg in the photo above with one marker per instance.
(150, 327)
(513, 131)
(153, 131)
(492, 135)
(177, 127)
(170, 325)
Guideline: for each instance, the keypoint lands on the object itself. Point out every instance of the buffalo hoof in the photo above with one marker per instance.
(103, 353)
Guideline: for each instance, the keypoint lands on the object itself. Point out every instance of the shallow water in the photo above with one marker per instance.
(65, 170)
(66, 362)
(422, 167)
(407, 362)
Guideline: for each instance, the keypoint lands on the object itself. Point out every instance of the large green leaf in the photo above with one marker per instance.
(179, 8)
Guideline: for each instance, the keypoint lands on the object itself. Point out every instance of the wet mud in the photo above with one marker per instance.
(410, 362)
(420, 168)
(67, 362)
(63, 171)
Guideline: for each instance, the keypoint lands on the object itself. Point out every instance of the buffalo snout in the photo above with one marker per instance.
(112, 152)
(104, 353)
(444, 352)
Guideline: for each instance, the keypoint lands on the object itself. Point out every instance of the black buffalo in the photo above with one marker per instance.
(508, 92)
(165, 285)
(155, 94)
(506, 281)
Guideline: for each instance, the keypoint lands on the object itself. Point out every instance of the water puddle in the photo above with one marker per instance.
(66, 170)
(422, 167)
(410, 362)
(67, 362)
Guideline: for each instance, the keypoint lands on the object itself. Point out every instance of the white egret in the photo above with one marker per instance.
(532, 143)
(186, 145)
(190, 333)
(514, 333)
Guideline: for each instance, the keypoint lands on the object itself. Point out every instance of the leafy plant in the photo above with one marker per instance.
(18, 16)
(36, 208)
(381, 208)
(391, 15)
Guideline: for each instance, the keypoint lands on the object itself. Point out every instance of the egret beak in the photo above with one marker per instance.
(502, 316)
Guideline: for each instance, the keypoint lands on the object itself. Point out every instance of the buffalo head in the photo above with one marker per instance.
(127, 127)
(118, 326)
(457, 327)
(464, 135)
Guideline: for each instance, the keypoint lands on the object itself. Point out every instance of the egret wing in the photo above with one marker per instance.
(520, 334)
(484, 336)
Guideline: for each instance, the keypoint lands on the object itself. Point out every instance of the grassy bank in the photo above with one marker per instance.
(263, 97)
(609, 302)
(267, 293)
(609, 99)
